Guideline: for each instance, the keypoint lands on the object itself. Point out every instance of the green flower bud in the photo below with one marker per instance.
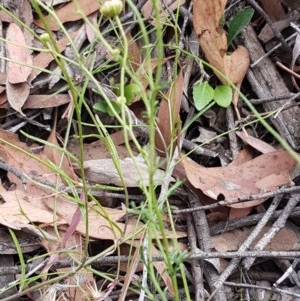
(115, 54)
(45, 37)
(111, 8)
(121, 100)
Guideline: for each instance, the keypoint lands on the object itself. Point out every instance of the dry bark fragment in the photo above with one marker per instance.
(266, 82)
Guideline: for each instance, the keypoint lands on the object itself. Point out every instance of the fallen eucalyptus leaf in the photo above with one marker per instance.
(135, 173)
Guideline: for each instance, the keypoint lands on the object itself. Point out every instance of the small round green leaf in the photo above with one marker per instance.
(202, 95)
(223, 96)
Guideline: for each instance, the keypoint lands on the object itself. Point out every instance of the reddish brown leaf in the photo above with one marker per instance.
(256, 143)
(18, 55)
(102, 226)
(168, 116)
(46, 101)
(28, 202)
(22, 206)
(287, 239)
(98, 150)
(4, 17)
(274, 9)
(17, 94)
(264, 173)
(243, 156)
(135, 53)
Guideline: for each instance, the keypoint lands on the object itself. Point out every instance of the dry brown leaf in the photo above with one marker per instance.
(213, 41)
(74, 244)
(264, 173)
(98, 150)
(274, 9)
(160, 266)
(37, 204)
(135, 173)
(287, 239)
(77, 291)
(26, 15)
(46, 101)
(135, 53)
(90, 33)
(256, 143)
(168, 116)
(72, 11)
(168, 7)
(2, 89)
(4, 17)
(243, 156)
(55, 156)
(17, 95)
(21, 208)
(134, 252)
(18, 55)
(103, 222)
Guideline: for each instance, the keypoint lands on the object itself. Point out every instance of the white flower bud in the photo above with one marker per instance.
(111, 8)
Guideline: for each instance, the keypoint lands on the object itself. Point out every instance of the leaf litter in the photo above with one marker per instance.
(50, 203)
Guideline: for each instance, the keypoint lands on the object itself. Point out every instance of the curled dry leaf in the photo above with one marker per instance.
(264, 173)
(256, 143)
(17, 95)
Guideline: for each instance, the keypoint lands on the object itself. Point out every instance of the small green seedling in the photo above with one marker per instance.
(104, 107)
(131, 91)
(203, 94)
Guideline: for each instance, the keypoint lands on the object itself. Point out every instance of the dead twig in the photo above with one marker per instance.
(288, 190)
(196, 266)
(204, 241)
(246, 244)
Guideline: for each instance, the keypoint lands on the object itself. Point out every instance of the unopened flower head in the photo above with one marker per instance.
(111, 8)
